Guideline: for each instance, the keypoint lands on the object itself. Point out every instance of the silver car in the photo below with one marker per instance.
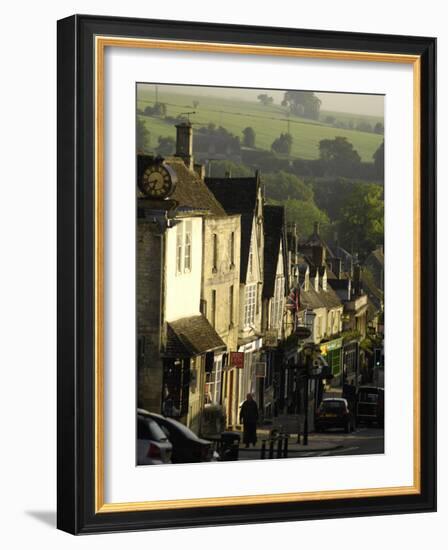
(153, 446)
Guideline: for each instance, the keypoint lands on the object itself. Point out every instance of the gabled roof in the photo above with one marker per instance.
(315, 239)
(238, 196)
(274, 234)
(310, 299)
(191, 192)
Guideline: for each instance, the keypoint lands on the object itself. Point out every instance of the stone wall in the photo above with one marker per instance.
(149, 306)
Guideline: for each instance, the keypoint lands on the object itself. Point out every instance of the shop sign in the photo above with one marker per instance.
(260, 370)
(237, 360)
(330, 346)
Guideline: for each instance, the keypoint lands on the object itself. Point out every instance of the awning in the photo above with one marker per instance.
(192, 336)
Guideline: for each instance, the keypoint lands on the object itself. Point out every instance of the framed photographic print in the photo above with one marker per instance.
(246, 274)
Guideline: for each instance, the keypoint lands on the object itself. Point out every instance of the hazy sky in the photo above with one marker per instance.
(360, 104)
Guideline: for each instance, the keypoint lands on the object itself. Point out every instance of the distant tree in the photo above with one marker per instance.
(304, 214)
(166, 146)
(195, 104)
(379, 128)
(158, 109)
(143, 137)
(220, 139)
(249, 137)
(362, 219)
(364, 126)
(265, 99)
(282, 186)
(219, 168)
(305, 104)
(339, 156)
(329, 119)
(378, 160)
(282, 144)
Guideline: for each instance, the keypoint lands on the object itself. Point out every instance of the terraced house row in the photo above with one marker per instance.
(222, 285)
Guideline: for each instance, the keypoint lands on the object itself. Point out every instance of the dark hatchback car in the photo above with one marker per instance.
(334, 413)
(153, 446)
(187, 446)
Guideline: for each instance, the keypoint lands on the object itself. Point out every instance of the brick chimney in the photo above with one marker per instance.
(184, 143)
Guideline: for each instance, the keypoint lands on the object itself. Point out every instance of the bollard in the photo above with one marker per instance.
(285, 448)
(279, 446)
(271, 448)
(263, 449)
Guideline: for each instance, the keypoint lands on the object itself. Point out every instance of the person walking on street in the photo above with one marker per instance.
(249, 418)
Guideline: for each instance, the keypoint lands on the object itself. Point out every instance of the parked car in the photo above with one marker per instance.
(370, 405)
(153, 445)
(334, 412)
(187, 446)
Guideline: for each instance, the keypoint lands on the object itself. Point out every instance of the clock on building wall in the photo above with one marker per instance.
(158, 181)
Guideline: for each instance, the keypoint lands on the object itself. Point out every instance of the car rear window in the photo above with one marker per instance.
(148, 429)
(368, 397)
(335, 406)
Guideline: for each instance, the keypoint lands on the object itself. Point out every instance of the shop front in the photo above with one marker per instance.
(331, 351)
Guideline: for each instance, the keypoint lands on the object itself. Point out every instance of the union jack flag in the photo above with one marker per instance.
(293, 301)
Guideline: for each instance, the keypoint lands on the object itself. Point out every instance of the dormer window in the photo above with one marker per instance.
(316, 281)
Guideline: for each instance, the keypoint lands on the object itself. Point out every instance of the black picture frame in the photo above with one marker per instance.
(76, 286)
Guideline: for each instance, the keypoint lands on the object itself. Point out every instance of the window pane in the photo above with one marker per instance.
(187, 253)
(179, 246)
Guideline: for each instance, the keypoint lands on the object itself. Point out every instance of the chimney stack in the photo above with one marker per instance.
(336, 265)
(184, 143)
(318, 253)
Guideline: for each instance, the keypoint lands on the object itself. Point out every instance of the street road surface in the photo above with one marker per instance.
(360, 442)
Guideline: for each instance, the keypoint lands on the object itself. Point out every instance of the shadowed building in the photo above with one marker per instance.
(243, 196)
(178, 344)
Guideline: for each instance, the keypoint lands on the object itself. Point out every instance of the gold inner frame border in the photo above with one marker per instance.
(101, 43)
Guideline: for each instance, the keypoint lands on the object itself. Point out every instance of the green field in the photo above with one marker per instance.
(267, 122)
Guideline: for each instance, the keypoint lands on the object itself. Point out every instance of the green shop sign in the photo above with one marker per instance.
(330, 346)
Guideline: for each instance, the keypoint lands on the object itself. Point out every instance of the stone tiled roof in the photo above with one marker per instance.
(310, 299)
(274, 224)
(191, 336)
(191, 192)
(238, 196)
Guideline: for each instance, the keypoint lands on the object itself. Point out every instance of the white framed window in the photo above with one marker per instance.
(214, 381)
(318, 326)
(184, 244)
(187, 250)
(179, 247)
(251, 258)
(250, 305)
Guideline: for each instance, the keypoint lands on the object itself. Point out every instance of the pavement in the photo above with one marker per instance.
(287, 424)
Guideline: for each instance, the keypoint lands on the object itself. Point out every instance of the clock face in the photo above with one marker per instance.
(157, 181)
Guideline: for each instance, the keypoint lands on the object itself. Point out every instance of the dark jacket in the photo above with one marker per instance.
(249, 412)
